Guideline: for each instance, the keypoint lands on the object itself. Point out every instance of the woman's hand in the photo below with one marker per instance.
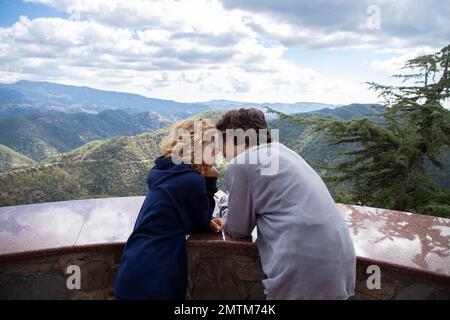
(209, 171)
(216, 225)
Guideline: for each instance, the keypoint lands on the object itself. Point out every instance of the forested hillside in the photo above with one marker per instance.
(40, 136)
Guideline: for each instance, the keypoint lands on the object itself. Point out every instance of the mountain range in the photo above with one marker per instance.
(118, 166)
(40, 119)
(51, 151)
(28, 97)
(288, 108)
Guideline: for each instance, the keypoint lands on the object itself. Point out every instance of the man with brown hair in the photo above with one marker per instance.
(305, 247)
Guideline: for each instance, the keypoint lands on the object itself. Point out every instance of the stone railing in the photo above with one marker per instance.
(38, 244)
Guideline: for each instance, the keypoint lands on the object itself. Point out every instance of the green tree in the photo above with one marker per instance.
(386, 162)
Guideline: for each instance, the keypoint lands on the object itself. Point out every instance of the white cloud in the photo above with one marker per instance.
(404, 23)
(190, 50)
(395, 64)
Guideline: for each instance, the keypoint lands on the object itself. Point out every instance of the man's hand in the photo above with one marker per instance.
(216, 225)
(209, 171)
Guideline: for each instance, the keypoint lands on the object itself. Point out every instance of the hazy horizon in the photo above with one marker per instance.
(198, 102)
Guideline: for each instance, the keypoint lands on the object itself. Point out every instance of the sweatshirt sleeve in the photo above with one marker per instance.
(201, 205)
(241, 218)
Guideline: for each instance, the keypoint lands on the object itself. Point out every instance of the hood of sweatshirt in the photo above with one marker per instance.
(165, 169)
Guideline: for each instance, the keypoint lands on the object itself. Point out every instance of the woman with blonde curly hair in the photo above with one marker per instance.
(179, 202)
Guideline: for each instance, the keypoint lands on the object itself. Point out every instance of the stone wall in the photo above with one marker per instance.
(400, 283)
(216, 272)
(44, 276)
(224, 273)
(39, 241)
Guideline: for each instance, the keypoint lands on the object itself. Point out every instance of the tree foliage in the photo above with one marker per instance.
(386, 166)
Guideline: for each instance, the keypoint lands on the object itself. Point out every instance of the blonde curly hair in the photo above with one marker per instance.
(175, 142)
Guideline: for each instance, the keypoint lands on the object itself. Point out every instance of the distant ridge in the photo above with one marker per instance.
(28, 97)
(289, 108)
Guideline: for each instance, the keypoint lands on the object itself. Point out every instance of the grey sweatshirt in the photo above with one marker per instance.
(303, 240)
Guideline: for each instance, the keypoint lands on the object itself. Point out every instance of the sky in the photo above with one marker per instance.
(199, 50)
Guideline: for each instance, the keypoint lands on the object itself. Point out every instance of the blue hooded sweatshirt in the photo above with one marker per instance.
(154, 264)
